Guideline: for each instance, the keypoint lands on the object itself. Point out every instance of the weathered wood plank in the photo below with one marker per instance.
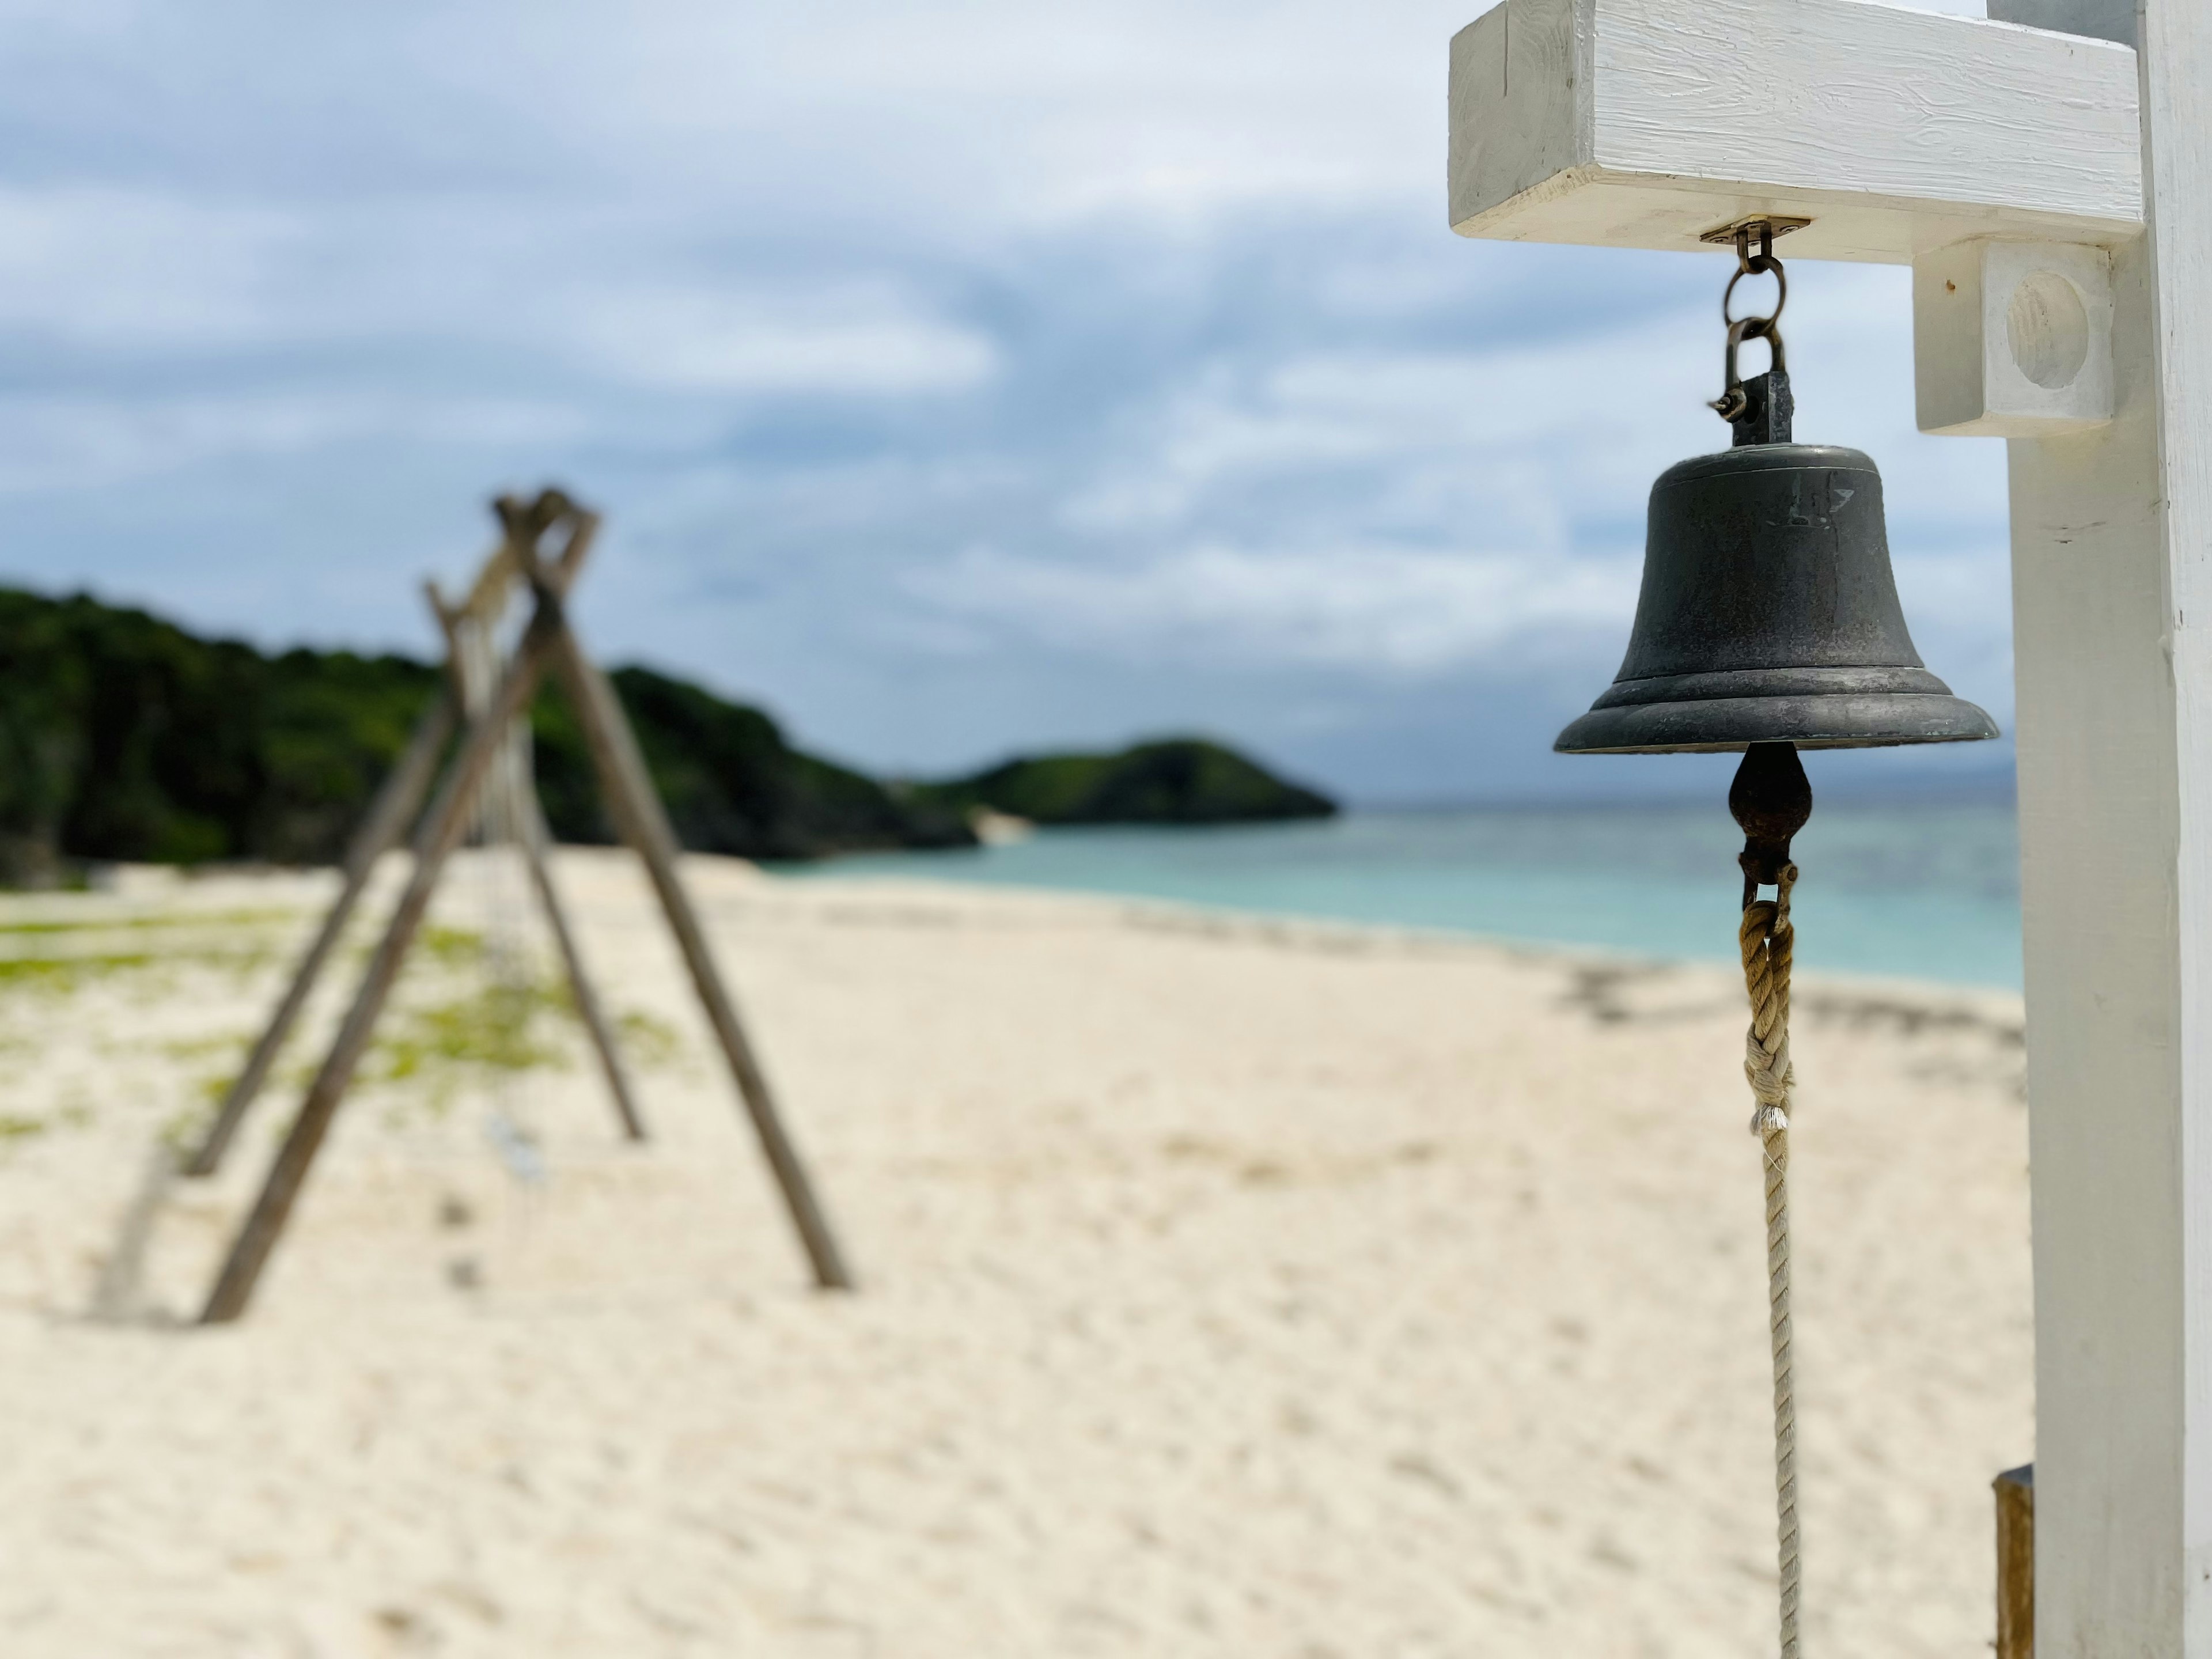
(1646, 122)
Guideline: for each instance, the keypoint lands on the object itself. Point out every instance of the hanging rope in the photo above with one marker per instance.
(1766, 936)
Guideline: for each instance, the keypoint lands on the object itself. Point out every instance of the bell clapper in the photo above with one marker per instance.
(1771, 800)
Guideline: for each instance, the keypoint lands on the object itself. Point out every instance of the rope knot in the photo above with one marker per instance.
(1766, 936)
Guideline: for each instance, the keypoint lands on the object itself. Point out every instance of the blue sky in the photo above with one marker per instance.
(956, 380)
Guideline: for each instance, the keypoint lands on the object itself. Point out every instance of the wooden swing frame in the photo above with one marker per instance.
(486, 709)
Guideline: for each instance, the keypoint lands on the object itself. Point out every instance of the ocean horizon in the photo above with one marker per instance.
(1919, 888)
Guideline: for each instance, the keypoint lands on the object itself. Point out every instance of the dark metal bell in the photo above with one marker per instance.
(1769, 615)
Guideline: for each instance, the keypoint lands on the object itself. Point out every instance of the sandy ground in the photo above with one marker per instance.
(1229, 1289)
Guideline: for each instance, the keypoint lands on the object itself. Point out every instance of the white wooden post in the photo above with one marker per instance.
(1902, 136)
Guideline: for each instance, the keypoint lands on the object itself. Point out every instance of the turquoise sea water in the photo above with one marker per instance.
(1929, 889)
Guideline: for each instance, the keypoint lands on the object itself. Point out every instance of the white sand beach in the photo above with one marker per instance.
(1227, 1288)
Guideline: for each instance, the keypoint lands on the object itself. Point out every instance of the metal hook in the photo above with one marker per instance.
(1734, 401)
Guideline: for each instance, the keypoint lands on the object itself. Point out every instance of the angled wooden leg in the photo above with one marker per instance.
(441, 831)
(385, 826)
(508, 805)
(637, 813)
(531, 837)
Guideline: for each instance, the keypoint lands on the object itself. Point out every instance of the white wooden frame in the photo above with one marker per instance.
(1644, 123)
(2012, 339)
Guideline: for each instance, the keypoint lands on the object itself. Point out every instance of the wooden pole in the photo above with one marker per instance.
(440, 832)
(2016, 1495)
(388, 815)
(532, 839)
(515, 811)
(642, 823)
(395, 803)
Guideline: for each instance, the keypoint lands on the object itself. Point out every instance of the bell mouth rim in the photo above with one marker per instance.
(1849, 720)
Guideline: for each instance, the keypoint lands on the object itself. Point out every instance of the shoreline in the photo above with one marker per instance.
(1171, 914)
(1884, 895)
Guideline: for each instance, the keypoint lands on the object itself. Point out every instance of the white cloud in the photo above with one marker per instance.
(700, 340)
(1494, 447)
(1381, 610)
(979, 110)
(112, 268)
(57, 444)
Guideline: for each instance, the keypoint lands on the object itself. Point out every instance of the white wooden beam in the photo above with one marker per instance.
(1646, 123)
(2100, 826)
(2112, 601)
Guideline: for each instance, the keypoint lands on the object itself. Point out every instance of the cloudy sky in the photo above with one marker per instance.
(956, 379)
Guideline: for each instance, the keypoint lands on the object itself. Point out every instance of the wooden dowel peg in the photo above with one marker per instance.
(2016, 1495)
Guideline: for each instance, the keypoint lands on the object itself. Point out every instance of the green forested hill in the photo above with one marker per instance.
(729, 781)
(123, 737)
(1176, 780)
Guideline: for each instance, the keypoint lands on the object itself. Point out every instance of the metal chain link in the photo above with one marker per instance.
(1734, 401)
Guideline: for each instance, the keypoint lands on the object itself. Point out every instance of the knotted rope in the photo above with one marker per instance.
(1766, 936)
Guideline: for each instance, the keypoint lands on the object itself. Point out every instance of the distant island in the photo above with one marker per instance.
(1175, 781)
(126, 738)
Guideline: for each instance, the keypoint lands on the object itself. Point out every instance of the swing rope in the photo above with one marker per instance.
(1766, 937)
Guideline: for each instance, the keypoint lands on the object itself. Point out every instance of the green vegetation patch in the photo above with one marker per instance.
(65, 974)
(456, 1024)
(166, 920)
(442, 1045)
